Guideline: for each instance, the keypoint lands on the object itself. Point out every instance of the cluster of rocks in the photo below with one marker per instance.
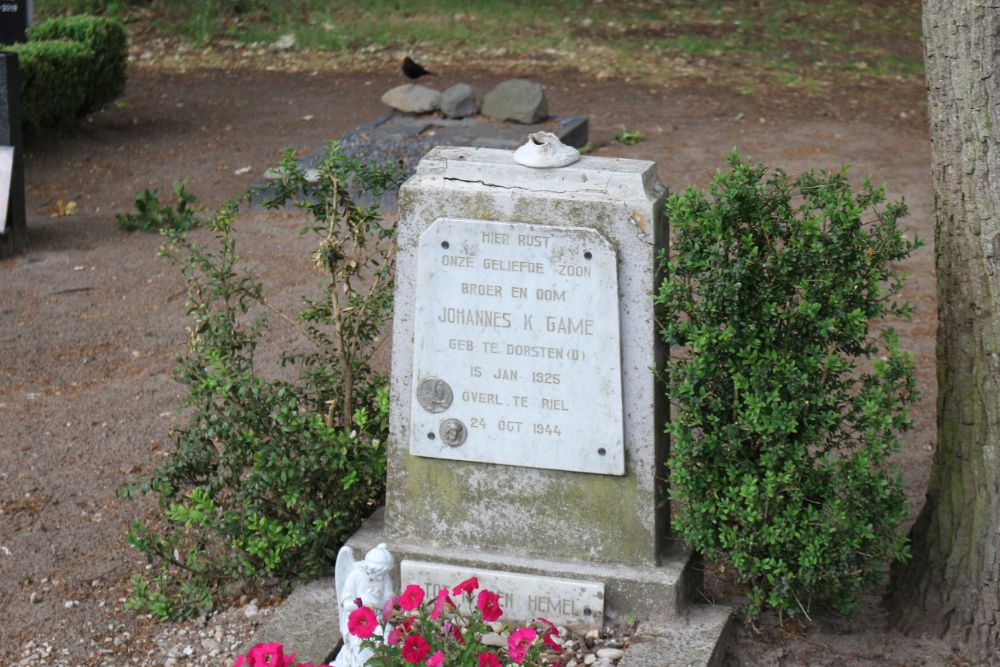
(594, 649)
(518, 100)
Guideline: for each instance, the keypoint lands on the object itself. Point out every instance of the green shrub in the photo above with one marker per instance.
(107, 39)
(153, 216)
(269, 476)
(54, 76)
(787, 407)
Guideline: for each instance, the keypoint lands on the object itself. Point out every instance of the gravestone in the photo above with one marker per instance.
(526, 425)
(13, 226)
(526, 422)
(15, 17)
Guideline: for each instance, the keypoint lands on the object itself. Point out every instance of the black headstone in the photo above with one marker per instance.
(15, 17)
(15, 234)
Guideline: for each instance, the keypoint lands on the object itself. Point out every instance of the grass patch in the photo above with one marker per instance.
(735, 41)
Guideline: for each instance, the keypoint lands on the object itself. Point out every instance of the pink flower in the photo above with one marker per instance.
(362, 622)
(415, 648)
(442, 599)
(390, 607)
(488, 660)
(489, 605)
(411, 598)
(468, 586)
(519, 642)
(453, 630)
(548, 633)
(397, 632)
(270, 654)
(436, 660)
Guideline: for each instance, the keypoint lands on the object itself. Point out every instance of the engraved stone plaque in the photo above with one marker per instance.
(523, 597)
(520, 323)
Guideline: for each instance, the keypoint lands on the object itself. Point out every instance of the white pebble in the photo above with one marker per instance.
(493, 639)
(610, 653)
(589, 659)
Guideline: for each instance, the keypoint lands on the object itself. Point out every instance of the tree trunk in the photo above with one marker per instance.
(951, 587)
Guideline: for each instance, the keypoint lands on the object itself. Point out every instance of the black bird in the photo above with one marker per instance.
(412, 70)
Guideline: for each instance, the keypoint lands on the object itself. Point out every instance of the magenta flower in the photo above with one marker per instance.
(468, 586)
(488, 660)
(411, 598)
(519, 642)
(390, 607)
(397, 632)
(549, 632)
(269, 655)
(362, 622)
(489, 605)
(439, 604)
(415, 648)
(436, 660)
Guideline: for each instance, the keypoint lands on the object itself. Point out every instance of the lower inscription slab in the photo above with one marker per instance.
(523, 597)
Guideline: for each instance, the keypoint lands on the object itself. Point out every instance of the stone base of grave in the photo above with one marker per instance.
(653, 594)
(698, 640)
(672, 631)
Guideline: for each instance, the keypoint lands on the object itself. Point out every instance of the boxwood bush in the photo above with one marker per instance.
(70, 66)
(787, 404)
(108, 41)
(54, 76)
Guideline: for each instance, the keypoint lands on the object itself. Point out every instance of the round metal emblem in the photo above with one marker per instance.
(434, 395)
(453, 432)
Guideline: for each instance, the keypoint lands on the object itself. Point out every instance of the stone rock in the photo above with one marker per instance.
(459, 101)
(412, 98)
(589, 659)
(493, 639)
(610, 653)
(284, 42)
(518, 100)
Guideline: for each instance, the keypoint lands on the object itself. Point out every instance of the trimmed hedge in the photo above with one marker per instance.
(108, 40)
(54, 77)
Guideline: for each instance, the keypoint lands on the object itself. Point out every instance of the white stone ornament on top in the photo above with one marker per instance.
(544, 150)
(368, 581)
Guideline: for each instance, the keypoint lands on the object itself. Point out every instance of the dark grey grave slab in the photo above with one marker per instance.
(15, 17)
(15, 234)
(403, 139)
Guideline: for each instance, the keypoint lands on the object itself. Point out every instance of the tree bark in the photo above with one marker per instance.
(951, 587)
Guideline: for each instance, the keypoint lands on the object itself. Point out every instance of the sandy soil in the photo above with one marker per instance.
(91, 319)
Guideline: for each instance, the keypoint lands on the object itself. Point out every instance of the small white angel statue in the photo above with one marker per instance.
(368, 581)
